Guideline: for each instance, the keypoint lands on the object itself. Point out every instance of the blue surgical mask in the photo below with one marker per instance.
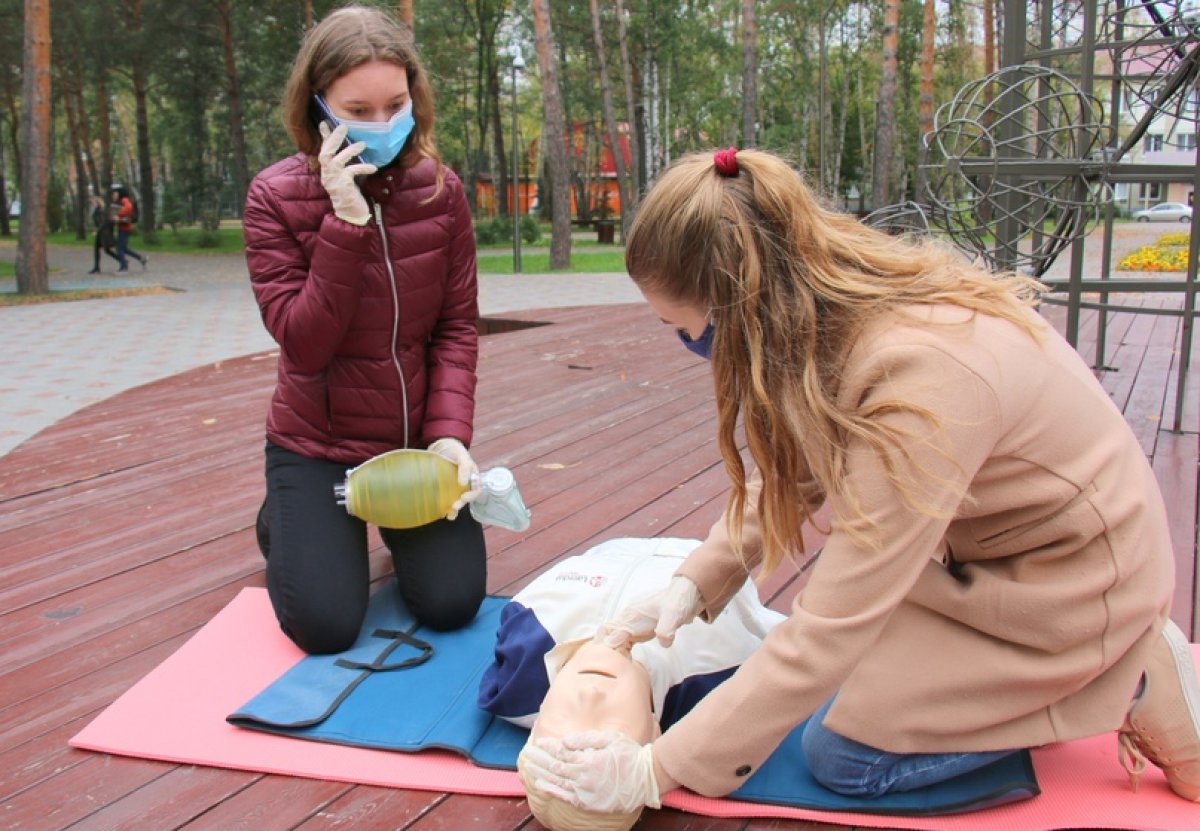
(702, 345)
(383, 139)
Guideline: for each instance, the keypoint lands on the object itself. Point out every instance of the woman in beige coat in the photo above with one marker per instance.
(998, 571)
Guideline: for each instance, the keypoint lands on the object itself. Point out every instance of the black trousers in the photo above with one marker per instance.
(317, 565)
(103, 241)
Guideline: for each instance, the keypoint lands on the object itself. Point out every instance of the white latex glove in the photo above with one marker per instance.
(468, 471)
(337, 175)
(601, 770)
(656, 615)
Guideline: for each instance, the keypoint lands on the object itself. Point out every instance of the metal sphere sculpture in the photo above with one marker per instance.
(907, 219)
(1015, 164)
(1156, 56)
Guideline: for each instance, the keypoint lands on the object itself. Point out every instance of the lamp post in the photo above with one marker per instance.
(518, 62)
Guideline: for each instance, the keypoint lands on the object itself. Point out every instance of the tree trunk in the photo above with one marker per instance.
(507, 204)
(14, 130)
(32, 273)
(635, 132)
(85, 132)
(104, 123)
(650, 106)
(839, 129)
(5, 225)
(405, 11)
(925, 107)
(554, 136)
(610, 118)
(237, 130)
(147, 220)
(885, 109)
(66, 84)
(989, 37)
(749, 74)
(308, 14)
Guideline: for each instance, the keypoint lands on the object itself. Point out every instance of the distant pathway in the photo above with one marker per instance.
(57, 358)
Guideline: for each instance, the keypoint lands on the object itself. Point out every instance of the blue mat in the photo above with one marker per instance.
(403, 687)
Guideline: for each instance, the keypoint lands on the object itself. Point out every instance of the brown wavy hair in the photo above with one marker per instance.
(789, 284)
(348, 38)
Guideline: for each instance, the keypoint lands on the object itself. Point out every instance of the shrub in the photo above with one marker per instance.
(530, 232)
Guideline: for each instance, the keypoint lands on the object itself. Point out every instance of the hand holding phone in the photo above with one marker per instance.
(320, 114)
(339, 166)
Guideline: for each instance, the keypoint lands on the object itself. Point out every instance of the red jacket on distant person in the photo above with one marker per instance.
(360, 343)
(124, 214)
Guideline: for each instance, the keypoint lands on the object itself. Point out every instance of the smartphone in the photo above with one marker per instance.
(319, 111)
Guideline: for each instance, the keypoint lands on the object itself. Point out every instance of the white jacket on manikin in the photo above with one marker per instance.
(574, 597)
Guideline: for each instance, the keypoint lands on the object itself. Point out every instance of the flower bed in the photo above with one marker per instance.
(1168, 253)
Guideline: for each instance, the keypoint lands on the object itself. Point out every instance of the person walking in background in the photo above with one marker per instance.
(362, 259)
(998, 570)
(105, 239)
(125, 216)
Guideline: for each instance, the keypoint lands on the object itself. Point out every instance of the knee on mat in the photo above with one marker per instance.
(445, 613)
(848, 776)
(321, 634)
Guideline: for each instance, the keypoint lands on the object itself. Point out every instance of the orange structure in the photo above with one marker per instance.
(600, 190)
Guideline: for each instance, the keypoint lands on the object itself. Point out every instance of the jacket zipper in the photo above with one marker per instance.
(387, 261)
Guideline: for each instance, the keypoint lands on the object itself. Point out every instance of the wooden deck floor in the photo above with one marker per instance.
(127, 526)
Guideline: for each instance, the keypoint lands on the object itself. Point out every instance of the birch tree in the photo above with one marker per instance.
(635, 142)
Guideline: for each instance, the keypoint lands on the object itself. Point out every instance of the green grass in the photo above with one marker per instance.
(66, 295)
(492, 259)
(184, 241)
(583, 262)
(7, 269)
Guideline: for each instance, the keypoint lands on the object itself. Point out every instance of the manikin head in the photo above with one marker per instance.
(594, 688)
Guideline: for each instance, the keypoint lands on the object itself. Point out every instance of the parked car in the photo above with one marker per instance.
(1165, 212)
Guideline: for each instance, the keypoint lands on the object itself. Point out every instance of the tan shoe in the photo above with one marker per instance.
(1163, 723)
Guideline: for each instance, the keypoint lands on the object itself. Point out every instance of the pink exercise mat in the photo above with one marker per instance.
(177, 714)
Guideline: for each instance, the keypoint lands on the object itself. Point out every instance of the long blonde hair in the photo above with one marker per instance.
(789, 285)
(346, 39)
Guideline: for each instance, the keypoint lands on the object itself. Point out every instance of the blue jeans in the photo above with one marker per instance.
(854, 769)
(124, 252)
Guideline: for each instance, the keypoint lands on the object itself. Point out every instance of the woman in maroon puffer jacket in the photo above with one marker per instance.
(362, 259)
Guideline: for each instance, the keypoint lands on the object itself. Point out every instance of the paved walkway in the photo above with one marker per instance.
(57, 358)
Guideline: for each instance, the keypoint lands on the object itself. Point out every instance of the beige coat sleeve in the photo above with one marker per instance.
(855, 586)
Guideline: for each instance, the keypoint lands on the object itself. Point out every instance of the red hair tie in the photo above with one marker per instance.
(726, 161)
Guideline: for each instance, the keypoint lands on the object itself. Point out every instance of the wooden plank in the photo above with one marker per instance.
(83, 656)
(366, 808)
(270, 802)
(460, 811)
(177, 798)
(78, 791)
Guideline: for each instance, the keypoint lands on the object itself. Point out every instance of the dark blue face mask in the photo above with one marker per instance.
(702, 345)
